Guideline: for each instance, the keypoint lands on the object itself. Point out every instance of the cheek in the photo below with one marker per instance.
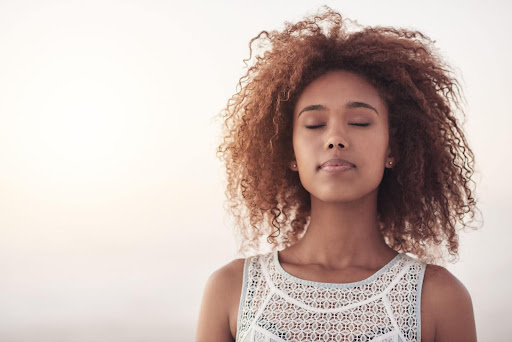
(306, 150)
(376, 143)
(371, 154)
(301, 153)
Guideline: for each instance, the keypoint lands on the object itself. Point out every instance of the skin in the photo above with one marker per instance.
(342, 243)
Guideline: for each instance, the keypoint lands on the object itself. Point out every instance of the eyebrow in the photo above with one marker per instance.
(350, 105)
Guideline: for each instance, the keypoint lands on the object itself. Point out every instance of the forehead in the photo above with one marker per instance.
(336, 88)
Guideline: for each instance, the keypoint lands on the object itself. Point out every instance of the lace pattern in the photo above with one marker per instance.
(276, 306)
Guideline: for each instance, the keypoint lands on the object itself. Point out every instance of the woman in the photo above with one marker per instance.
(345, 142)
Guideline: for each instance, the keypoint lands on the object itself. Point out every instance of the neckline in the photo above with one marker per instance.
(287, 275)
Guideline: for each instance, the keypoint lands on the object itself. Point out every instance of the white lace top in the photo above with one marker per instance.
(276, 306)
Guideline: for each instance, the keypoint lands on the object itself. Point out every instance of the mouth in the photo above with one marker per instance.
(336, 168)
(336, 163)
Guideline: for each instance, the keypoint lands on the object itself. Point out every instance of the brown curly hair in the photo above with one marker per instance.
(427, 192)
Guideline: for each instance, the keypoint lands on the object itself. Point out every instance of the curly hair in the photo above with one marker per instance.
(427, 192)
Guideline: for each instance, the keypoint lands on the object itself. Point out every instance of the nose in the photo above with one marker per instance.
(336, 141)
(336, 136)
(339, 144)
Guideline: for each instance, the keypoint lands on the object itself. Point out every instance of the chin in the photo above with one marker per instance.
(337, 197)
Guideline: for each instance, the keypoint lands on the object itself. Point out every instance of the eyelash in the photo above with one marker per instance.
(354, 124)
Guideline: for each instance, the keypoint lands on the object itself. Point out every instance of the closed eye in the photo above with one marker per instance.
(353, 124)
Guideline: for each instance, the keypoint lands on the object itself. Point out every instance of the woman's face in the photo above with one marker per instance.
(336, 102)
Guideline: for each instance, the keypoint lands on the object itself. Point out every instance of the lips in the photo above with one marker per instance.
(337, 162)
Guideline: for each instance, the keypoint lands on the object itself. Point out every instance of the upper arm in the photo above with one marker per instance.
(220, 294)
(453, 308)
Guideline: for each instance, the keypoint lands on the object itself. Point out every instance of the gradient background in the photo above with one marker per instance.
(111, 197)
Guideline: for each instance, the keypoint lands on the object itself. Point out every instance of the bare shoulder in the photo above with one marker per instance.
(219, 306)
(447, 308)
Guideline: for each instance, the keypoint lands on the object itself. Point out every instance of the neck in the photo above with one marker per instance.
(343, 234)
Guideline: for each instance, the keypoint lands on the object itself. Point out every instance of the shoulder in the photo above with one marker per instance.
(447, 305)
(220, 301)
(228, 273)
(226, 284)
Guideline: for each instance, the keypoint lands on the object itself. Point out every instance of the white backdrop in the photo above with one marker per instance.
(111, 197)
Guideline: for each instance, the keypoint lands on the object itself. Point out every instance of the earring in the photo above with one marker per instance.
(294, 165)
(390, 163)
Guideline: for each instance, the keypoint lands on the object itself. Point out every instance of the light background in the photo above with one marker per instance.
(111, 197)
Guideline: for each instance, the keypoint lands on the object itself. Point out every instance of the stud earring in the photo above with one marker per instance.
(390, 163)
(294, 165)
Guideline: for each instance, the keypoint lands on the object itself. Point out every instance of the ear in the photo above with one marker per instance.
(293, 165)
(390, 159)
(391, 153)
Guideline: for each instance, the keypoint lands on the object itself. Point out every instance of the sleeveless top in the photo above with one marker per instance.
(276, 306)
